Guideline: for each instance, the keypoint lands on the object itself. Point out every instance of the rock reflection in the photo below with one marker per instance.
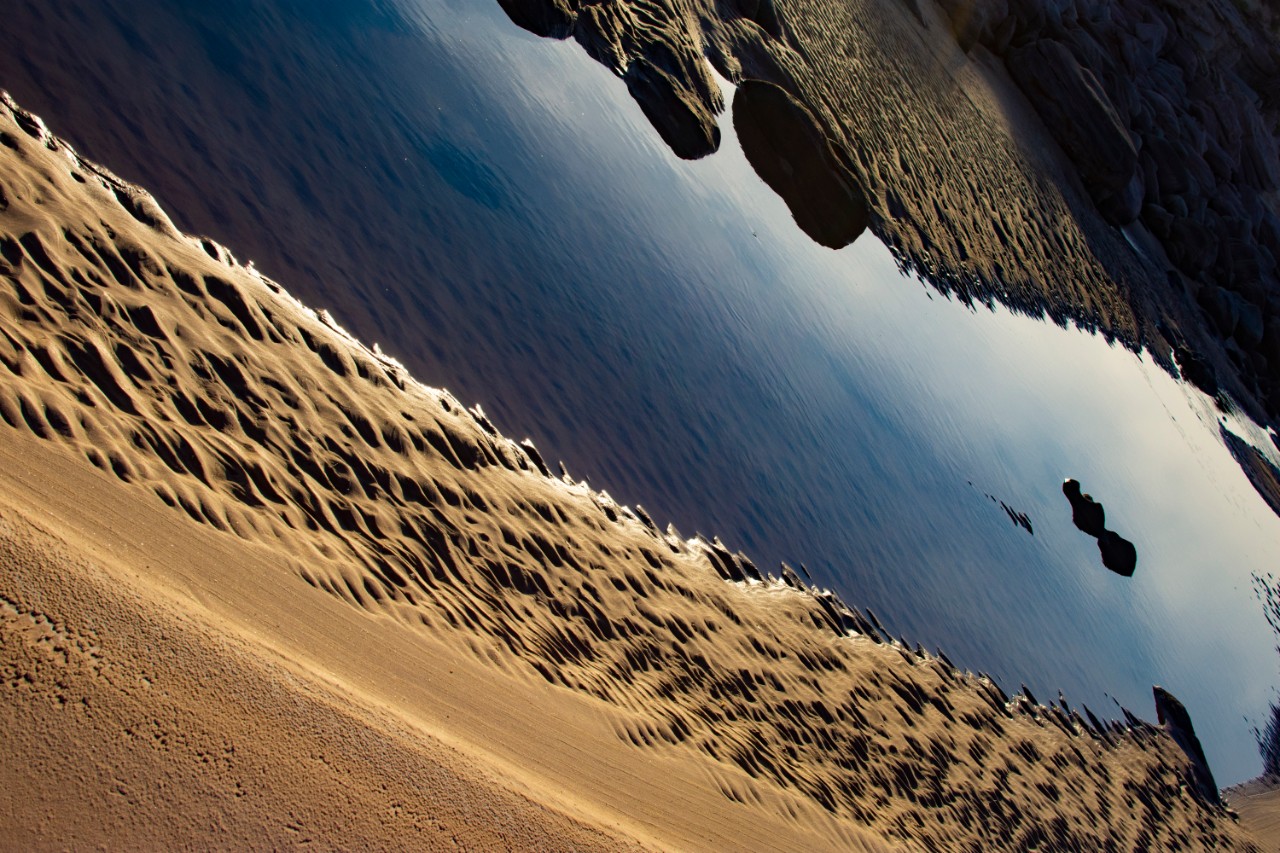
(786, 146)
(1118, 553)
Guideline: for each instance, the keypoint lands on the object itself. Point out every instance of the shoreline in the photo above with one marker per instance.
(1072, 161)
(239, 464)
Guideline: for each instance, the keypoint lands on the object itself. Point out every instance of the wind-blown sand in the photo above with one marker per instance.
(259, 586)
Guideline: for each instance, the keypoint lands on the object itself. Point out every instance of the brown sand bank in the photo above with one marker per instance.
(258, 586)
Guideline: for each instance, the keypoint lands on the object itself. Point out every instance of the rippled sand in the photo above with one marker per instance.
(260, 587)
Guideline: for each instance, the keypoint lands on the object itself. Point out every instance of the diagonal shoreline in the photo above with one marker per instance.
(210, 452)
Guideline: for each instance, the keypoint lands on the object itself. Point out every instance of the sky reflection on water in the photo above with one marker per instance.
(845, 416)
(495, 210)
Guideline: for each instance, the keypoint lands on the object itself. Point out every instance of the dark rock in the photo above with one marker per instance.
(1223, 308)
(1169, 161)
(973, 21)
(683, 122)
(790, 152)
(1086, 513)
(1078, 113)
(1271, 340)
(1036, 19)
(1191, 246)
(1249, 329)
(1118, 553)
(1196, 370)
(1173, 715)
(1259, 157)
(1219, 160)
(1264, 476)
(546, 18)
(763, 13)
(1151, 35)
(1159, 220)
(1124, 207)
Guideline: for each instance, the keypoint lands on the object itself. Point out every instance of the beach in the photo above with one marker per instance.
(252, 541)
(263, 585)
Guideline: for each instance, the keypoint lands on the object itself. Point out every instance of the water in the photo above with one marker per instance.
(494, 209)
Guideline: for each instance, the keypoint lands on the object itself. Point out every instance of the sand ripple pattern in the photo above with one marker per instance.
(168, 365)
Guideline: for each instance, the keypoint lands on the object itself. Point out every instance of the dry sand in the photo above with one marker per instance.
(259, 587)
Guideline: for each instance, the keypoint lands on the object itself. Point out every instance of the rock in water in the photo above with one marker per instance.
(790, 152)
(546, 18)
(1118, 554)
(1173, 715)
(674, 110)
(1086, 513)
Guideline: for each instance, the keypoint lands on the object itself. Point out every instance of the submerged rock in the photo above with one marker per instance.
(790, 152)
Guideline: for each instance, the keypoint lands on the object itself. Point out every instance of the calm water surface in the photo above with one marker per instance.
(818, 406)
(664, 328)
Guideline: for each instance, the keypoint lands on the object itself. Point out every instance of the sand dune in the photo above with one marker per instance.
(260, 586)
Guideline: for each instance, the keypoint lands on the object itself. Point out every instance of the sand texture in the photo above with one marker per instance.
(1258, 803)
(258, 586)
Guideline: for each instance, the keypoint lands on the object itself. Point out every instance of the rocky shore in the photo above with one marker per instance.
(1114, 164)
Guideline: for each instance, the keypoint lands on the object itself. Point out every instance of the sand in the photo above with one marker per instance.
(1258, 803)
(260, 587)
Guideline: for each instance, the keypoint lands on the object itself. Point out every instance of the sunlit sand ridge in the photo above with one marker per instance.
(260, 586)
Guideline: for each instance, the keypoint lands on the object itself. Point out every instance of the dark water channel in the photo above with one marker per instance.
(493, 209)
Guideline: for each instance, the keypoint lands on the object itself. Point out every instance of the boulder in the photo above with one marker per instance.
(1168, 160)
(1259, 157)
(1222, 307)
(1250, 328)
(1118, 553)
(1076, 110)
(974, 21)
(1191, 246)
(790, 152)
(1086, 513)
(1197, 370)
(1156, 218)
(546, 18)
(1173, 715)
(681, 118)
(763, 13)
(1271, 340)
(1151, 36)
